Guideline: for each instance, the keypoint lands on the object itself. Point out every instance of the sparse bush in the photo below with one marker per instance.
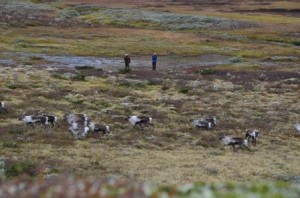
(15, 130)
(124, 70)
(237, 59)
(84, 67)
(183, 90)
(36, 58)
(79, 77)
(58, 76)
(207, 71)
(14, 169)
(11, 86)
(297, 43)
(69, 13)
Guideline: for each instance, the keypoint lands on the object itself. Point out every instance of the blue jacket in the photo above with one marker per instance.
(154, 58)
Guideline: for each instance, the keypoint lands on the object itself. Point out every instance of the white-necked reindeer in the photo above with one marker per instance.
(2, 107)
(33, 120)
(234, 141)
(253, 135)
(142, 121)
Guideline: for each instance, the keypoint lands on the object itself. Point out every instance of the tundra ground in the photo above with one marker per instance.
(258, 88)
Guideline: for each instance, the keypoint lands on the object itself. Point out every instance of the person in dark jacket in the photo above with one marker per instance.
(127, 61)
(154, 61)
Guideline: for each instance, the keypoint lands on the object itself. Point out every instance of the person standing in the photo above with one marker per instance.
(154, 61)
(127, 61)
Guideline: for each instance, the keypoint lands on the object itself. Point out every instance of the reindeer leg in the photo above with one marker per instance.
(246, 147)
(234, 149)
(134, 126)
(141, 126)
(3, 109)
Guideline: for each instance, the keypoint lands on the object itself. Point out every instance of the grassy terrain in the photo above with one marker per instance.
(259, 89)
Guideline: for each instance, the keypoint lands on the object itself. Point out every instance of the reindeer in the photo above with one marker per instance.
(253, 135)
(32, 120)
(202, 124)
(140, 120)
(78, 118)
(206, 123)
(235, 141)
(2, 108)
(94, 127)
(79, 130)
(78, 124)
(51, 118)
(212, 120)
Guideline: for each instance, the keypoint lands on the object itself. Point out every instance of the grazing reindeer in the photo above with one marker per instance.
(94, 127)
(233, 141)
(2, 108)
(253, 135)
(32, 120)
(202, 124)
(140, 120)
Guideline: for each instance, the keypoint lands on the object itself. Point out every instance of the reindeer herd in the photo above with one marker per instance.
(80, 125)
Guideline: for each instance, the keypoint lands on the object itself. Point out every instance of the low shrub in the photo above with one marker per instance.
(207, 71)
(14, 169)
(58, 76)
(124, 70)
(79, 77)
(84, 67)
(237, 59)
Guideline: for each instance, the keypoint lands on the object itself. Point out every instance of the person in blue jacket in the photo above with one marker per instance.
(154, 61)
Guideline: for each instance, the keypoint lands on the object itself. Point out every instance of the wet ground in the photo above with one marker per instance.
(109, 63)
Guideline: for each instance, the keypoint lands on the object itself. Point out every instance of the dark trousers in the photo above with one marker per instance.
(127, 65)
(154, 66)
